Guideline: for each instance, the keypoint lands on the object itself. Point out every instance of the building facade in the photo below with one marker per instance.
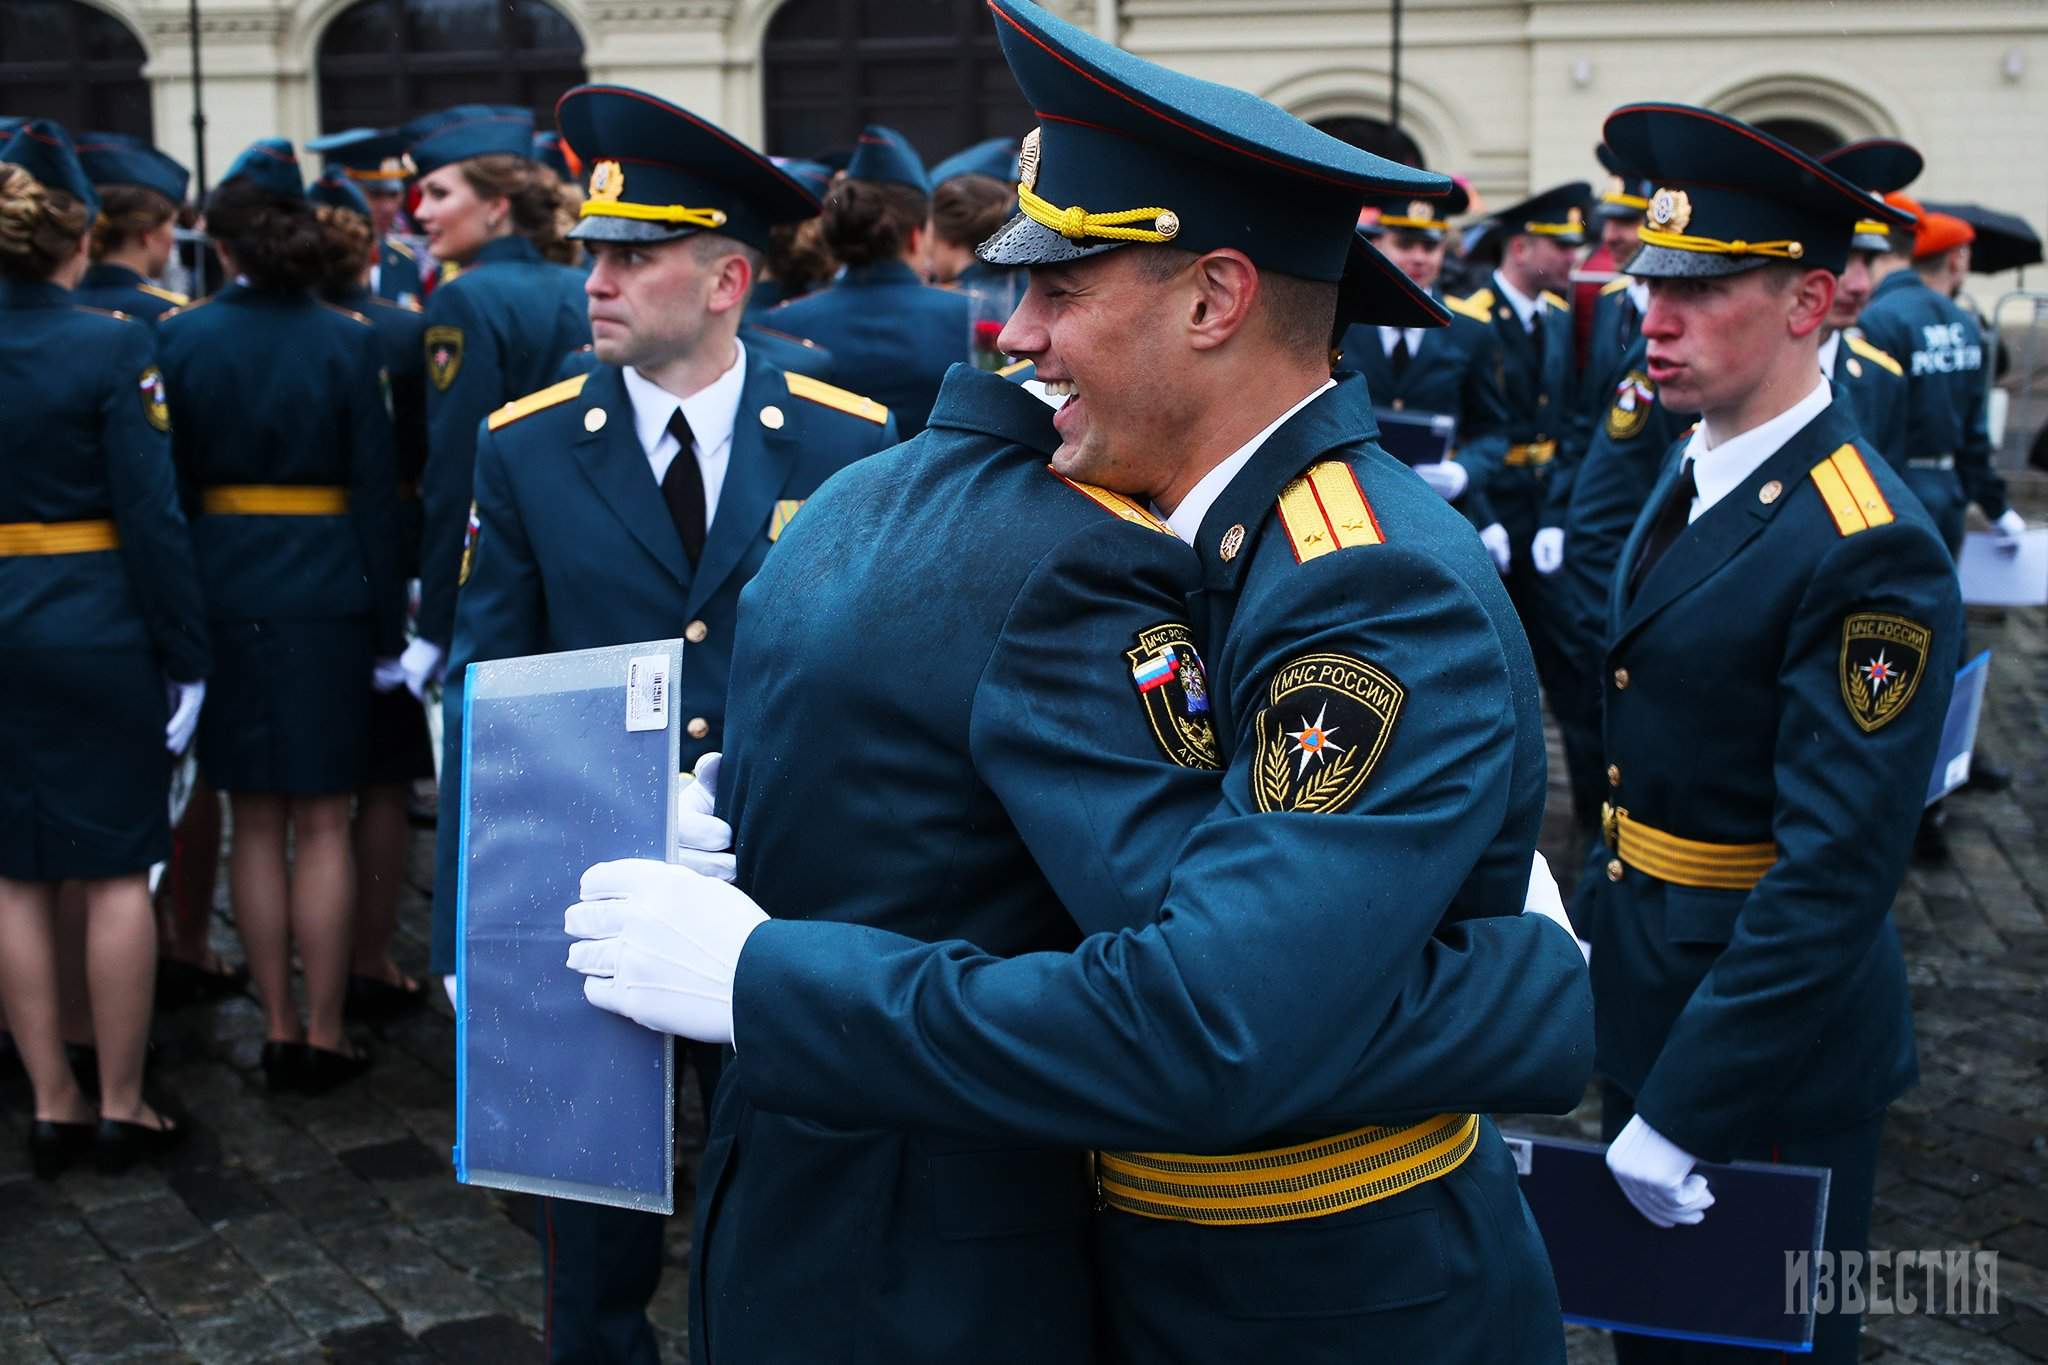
(1508, 93)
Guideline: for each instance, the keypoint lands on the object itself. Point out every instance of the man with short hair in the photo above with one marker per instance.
(634, 503)
(1779, 656)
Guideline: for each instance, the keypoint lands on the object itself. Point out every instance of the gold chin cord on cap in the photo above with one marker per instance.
(653, 213)
(1713, 246)
(1077, 224)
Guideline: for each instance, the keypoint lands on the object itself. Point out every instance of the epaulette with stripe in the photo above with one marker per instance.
(1116, 504)
(105, 312)
(1472, 307)
(346, 312)
(1554, 301)
(1015, 368)
(188, 307)
(401, 248)
(805, 342)
(1873, 354)
(170, 296)
(1614, 286)
(1482, 299)
(832, 396)
(1325, 510)
(535, 402)
(1852, 496)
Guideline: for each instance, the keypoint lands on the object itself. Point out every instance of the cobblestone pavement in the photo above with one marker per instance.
(330, 1229)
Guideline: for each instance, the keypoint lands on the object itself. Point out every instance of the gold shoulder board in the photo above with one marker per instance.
(1014, 367)
(1116, 504)
(170, 296)
(534, 402)
(347, 313)
(1325, 510)
(401, 248)
(1614, 286)
(1475, 307)
(1852, 496)
(1873, 354)
(832, 396)
(1554, 301)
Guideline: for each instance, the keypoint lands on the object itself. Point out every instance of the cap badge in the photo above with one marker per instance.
(1576, 219)
(1027, 161)
(1670, 210)
(1422, 210)
(607, 182)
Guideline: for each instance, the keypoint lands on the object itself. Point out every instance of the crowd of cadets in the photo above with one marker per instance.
(234, 493)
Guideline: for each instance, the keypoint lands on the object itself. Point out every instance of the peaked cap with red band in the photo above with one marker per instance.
(1128, 152)
(1882, 165)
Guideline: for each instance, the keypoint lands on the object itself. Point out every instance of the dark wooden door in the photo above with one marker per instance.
(383, 62)
(67, 61)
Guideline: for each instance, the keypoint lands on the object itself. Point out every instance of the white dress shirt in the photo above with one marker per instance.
(1525, 307)
(1719, 467)
(1828, 351)
(711, 412)
(1186, 519)
(1391, 336)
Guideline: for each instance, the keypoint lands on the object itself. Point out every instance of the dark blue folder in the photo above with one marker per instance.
(1723, 1279)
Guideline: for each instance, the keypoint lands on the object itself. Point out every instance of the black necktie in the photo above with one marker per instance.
(1672, 519)
(1399, 357)
(682, 488)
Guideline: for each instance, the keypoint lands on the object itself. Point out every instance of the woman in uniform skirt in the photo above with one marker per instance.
(400, 752)
(284, 444)
(102, 651)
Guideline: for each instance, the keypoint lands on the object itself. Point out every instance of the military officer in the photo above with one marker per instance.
(140, 192)
(634, 503)
(1452, 371)
(1750, 996)
(496, 330)
(890, 334)
(373, 159)
(1320, 561)
(1605, 316)
(103, 655)
(1872, 379)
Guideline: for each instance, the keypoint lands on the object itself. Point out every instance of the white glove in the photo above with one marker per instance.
(387, 675)
(660, 945)
(1495, 539)
(448, 985)
(1543, 898)
(422, 664)
(2009, 527)
(703, 841)
(1446, 478)
(1655, 1174)
(185, 699)
(1546, 551)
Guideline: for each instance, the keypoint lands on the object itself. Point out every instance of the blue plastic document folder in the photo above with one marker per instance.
(1723, 1279)
(1416, 437)
(567, 760)
(1959, 728)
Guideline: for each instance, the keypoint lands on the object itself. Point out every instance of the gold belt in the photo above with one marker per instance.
(1534, 452)
(1681, 861)
(1287, 1183)
(276, 500)
(56, 537)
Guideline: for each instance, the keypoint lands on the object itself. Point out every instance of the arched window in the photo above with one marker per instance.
(1381, 139)
(65, 60)
(383, 62)
(928, 68)
(1804, 134)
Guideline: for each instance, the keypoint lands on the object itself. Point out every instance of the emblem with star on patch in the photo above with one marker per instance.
(1326, 724)
(1883, 657)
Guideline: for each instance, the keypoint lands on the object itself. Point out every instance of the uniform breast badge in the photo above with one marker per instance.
(1882, 659)
(1630, 411)
(151, 386)
(1325, 726)
(1173, 689)
(444, 355)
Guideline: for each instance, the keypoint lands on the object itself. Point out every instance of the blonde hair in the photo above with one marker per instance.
(40, 228)
(535, 196)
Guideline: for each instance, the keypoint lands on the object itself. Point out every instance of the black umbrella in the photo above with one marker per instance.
(2004, 240)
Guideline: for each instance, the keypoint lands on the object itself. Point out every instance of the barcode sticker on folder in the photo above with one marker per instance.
(647, 685)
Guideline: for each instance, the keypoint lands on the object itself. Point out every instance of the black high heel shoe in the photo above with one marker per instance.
(324, 1068)
(118, 1145)
(53, 1146)
(284, 1065)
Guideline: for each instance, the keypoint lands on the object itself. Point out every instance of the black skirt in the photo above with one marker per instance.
(400, 749)
(288, 707)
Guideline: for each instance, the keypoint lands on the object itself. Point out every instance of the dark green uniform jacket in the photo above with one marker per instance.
(1540, 380)
(400, 330)
(1612, 333)
(1126, 1041)
(497, 330)
(1875, 385)
(398, 271)
(1945, 453)
(572, 546)
(122, 290)
(1779, 678)
(891, 335)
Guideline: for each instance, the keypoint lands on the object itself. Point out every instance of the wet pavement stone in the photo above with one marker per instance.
(297, 1230)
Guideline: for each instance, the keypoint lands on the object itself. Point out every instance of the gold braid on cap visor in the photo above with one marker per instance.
(1571, 229)
(1714, 246)
(653, 213)
(1870, 227)
(1077, 224)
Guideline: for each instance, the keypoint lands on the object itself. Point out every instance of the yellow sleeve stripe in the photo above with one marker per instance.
(1116, 504)
(1852, 496)
(832, 396)
(1325, 510)
(1874, 355)
(1471, 308)
(534, 402)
